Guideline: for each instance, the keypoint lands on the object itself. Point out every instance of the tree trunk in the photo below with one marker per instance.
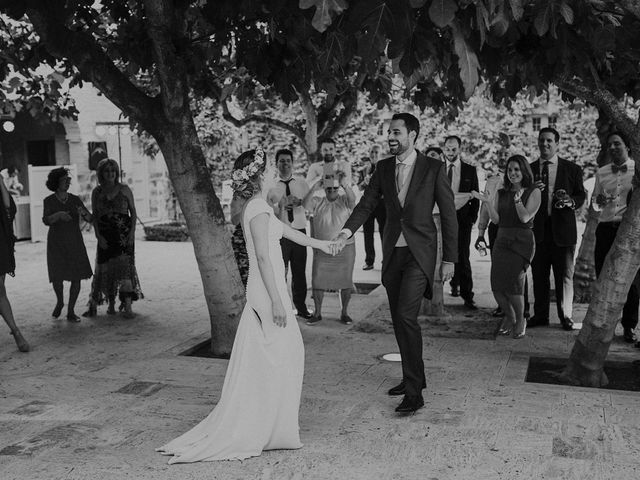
(202, 211)
(610, 293)
(585, 272)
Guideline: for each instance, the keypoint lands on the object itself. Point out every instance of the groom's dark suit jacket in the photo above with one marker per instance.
(429, 185)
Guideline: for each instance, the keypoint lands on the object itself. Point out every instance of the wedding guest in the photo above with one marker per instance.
(8, 263)
(329, 166)
(555, 229)
(331, 272)
(11, 181)
(613, 185)
(286, 199)
(114, 215)
(512, 209)
(379, 214)
(67, 258)
(463, 178)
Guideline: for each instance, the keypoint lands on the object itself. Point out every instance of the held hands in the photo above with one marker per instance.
(329, 247)
(279, 314)
(340, 241)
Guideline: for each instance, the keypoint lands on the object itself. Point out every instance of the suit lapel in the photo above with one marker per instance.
(390, 180)
(419, 171)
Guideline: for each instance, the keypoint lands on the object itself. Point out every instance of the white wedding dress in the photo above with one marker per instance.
(258, 407)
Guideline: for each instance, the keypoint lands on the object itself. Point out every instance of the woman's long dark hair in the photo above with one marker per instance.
(527, 174)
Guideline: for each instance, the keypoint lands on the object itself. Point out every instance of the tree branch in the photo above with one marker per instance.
(608, 103)
(339, 122)
(92, 62)
(273, 122)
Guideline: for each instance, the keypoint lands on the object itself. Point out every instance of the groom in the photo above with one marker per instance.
(409, 184)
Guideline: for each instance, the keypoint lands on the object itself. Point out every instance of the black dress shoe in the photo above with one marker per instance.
(455, 292)
(397, 390)
(537, 322)
(567, 324)
(368, 266)
(470, 304)
(306, 314)
(497, 313)
(410, 404)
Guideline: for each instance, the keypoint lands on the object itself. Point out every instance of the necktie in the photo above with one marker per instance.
(450, 174)
(544, 176)
(619, 168)
(399, 175)
(287, 192)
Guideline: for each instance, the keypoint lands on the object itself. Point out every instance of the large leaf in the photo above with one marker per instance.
(467, 61)
(542, 21)
(517, 10)
(442, 12)
(567, 12)
(325, 10)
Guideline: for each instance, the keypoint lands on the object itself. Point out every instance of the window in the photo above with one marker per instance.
(553, 121)
(536, 123)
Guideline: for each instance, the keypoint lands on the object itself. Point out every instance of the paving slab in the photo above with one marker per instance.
(92, 400)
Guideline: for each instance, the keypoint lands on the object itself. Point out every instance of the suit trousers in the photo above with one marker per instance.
(296, 256)
(605, 235)
(406, 283)
(368, 227)
(462, 270)
(549, 255)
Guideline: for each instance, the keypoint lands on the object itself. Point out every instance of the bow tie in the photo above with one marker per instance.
(619, 168)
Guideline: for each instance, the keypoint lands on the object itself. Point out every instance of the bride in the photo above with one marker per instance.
(258, 407)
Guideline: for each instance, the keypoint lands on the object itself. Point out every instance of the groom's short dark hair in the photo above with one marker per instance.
(409, 120)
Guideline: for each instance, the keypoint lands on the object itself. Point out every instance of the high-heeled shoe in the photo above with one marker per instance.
(519, 333)
(22, 344)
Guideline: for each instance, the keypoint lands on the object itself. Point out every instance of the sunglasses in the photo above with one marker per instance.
(333, 188)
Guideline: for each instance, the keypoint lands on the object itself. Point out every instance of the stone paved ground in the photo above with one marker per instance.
(92, 400)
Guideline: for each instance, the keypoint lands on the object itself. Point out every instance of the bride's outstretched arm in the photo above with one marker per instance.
(304, 240)
(259, 226)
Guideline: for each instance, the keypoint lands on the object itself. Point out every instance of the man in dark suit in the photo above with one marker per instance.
(463, 179)
(555, 230)
(410, 184)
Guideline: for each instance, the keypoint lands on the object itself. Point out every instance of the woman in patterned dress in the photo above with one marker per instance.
(114, 216)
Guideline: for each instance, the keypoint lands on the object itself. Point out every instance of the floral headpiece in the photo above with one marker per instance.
(241, 176)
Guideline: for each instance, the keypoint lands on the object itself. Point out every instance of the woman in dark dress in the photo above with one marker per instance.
(66, 254)
(512, 209)
(114, 220)
(8, 262)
